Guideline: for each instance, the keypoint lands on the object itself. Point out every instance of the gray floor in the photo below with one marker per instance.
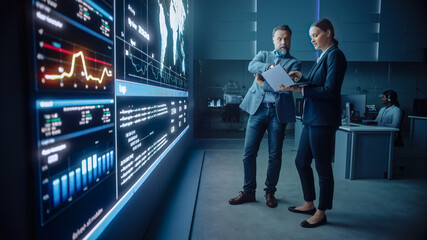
(363, 209)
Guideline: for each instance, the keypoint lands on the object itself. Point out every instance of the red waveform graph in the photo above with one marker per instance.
(82, 57)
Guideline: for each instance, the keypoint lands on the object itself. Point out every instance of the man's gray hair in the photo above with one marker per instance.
(282, 27)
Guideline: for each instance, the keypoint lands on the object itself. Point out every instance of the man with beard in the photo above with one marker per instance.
(269, 111)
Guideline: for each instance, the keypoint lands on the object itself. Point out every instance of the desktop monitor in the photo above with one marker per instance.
(215, 102)
(420, 107)
(357, 104)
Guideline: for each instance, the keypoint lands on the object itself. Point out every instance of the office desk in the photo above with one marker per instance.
(363, 152)
(418, 131)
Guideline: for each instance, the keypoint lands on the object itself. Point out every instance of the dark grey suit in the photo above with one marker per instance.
(322, 98)
(321, 118)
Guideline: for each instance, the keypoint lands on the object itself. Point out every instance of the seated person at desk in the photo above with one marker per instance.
(390, 115)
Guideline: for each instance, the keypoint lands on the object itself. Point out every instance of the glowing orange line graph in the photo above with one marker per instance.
(88, 77)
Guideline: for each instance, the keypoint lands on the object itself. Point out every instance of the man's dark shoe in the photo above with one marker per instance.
(270, 200)
(242, 198)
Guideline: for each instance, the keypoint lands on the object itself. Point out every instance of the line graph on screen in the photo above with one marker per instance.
(153, 70)
(85, 74)
(65, 65)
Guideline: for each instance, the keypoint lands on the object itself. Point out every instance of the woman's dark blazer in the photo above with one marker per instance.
(322, 98)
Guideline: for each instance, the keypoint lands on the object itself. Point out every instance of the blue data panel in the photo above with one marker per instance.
(146, 127)
(152, 46)
(74, 46)
(72, 134)
(105, 108)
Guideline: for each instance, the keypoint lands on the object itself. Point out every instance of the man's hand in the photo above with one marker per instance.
(259, 79)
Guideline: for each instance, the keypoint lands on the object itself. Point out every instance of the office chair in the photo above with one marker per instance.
(231, 113)
(398, 141)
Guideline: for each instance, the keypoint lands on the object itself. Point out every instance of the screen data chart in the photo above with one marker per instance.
(151, 42)
(76, 150)
(146, 127)
(74, 116)
(109, 101)
(74, 45)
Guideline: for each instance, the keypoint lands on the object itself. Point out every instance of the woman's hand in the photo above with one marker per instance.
(290, 88)
(295, 75)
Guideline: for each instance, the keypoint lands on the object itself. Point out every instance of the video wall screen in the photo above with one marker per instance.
(110, 100)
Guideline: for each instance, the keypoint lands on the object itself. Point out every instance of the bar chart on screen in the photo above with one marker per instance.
(72, 183)
(76, 150)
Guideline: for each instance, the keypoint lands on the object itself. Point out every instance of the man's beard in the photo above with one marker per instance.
(282, 51)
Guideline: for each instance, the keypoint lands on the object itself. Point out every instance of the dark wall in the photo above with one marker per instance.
(368, 30)
(15, 164)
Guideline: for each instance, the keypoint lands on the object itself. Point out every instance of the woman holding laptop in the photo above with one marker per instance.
(321, 118)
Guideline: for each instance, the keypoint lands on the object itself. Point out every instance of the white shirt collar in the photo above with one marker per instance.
(321, 55)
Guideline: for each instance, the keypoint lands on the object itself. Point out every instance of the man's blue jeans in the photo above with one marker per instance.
(264, 119)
